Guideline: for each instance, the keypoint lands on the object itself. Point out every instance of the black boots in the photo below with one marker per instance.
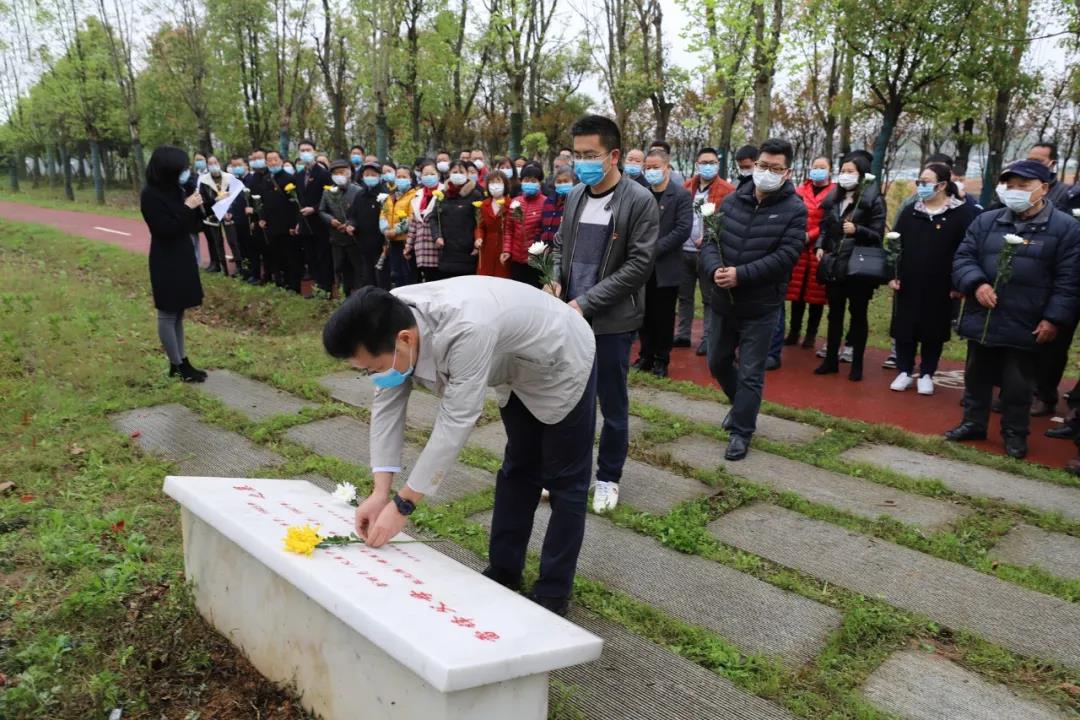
(187, 372)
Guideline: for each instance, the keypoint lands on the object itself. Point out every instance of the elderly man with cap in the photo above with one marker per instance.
(1008, 316)
(336, 211)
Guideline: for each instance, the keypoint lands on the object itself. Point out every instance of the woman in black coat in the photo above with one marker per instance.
(854, 216)
(172, 217)
(930, 230)
(453, 224)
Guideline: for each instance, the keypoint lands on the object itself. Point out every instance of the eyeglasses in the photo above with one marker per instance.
(589, 158)
(770, 168)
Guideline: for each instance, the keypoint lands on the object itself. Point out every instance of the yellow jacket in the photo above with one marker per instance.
(395, 210)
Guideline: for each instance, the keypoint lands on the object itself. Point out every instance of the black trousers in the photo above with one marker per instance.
(524, 273)
(657, 331)
(813, 322)
(855, 297)
(215, 241)
(1014, 370)
(928, 364)
(318, 256)
(253, 247)
(287, 263)
(236, 246)
(428, 274)
(556, 457)
(354, 267)
(1053, 357)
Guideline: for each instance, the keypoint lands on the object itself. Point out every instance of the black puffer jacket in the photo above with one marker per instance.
(455, 219)
(1045, 283)
(762, 242)
(868, 217)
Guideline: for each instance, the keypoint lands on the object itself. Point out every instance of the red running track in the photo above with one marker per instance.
(793, 385)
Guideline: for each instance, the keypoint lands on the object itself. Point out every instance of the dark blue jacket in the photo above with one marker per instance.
(1045, 283)
(676, 221)
(762, 242)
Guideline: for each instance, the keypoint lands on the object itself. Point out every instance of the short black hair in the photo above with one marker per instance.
(750, 152)
(1051, 146)
(940, 158)
(858, 159)
(661, 144)
(307, 141)
(532, 170)
(779, 146)
(165, 165)
(610, 135)
(236, 157)
(706, 150)
(278, 153)
(357, 147)
(371, 318)
(864, 154)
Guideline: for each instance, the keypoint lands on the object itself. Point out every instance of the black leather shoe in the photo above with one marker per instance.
(702, 349)
(508, 581)
(791, 339)
(680, 342)
(726, 422)
(736, 448)
(1016, 446)
(829, 367)
(660, 369)
(186, 365)
(559, 606)
(1065, 432)
(642, 364)
(966, 431)
(1040, 408)
(772, 363)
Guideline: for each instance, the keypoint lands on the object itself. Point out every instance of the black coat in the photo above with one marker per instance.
(922, 310)
(279, 211)
(676, 221)
(174, 274)
(762, 242)
(455, 219)
(365, 212)
(868, 216)
(1045, 283)
(311, 183)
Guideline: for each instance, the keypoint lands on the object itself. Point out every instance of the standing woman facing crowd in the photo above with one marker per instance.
(172, 216)
(931, 230)
(854, 216)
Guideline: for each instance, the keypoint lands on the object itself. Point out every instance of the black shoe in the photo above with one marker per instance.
(1016, 446)
(855, 374)
(642, 364)
(185, 374)
(559, 606)
(702, 349)
(1065, 432)
(772, 363)
(1040, 408)
(213, 268)
(966, 431)
(508, 581)
(736, 448)
(725, 424)
(660, 370)
(829, 367)
(186, 365)
(680, 342)
(808, 342)
(253, 281)
(792, 339)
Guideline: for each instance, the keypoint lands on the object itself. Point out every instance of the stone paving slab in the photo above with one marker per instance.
(354, 389)
(758, 617)
(971, 479)
(175, 432)
(492, 437)
(254, 400)
(858, 497)
(1057, 553)
(1022, 620)
(644, 487)
(710, 412)
(924, 686)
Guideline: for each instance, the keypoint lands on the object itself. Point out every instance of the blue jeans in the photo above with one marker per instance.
(557, 457)
(743, 385)
(777, 345)
(612, 367)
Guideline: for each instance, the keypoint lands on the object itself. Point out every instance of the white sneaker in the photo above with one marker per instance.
(605, 497)
(822, 351)
(846, 354)
(903, 381)
(926, 384)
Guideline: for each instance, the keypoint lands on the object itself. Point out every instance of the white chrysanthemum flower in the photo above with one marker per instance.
(1014, 239)
(708, 209)
(345, 493)
(537, 248)
(892, 236)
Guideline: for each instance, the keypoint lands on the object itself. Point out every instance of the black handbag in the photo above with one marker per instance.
(869, 263)
(830, 269)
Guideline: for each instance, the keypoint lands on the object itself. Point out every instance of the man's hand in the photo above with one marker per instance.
(849, 227)
(1045, 332)
(478, 243)
(575, 307)
(262, 224)
(228, 217)
(699, 241)
(389, 523)
(553, 288)
(820, 254)
(726, 277)
(368, 512)
(349, 230)
(895, 284)
(986, 296)
(307, 211)
(249, 211)
(440, 243)
(335, 223)
(955, 295)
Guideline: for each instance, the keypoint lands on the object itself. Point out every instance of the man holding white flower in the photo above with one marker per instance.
(761, 233)
(1018, 267)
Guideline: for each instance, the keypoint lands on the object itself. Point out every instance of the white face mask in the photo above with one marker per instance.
(459, 178)
(959, 186)
(767, 181)
(443, 166)
(745, 173)
(478, 164)
(1016, 200)
(847, 180)
(339, 180)
(495, 190)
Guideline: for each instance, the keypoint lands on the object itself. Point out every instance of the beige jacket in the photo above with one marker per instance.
(478, 332)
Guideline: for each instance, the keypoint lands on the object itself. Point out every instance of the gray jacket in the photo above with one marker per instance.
(338, 205)
(477, 332)
(616, 303)
(676, 221)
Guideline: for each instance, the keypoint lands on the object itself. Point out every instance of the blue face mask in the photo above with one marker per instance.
(430, 181)
(925, 190)
(200, 164)
(818, 175)
(289, 170)
(258, 164)
(356, 159)
(307, 156)
(238, 171)
(708, 171)
(371, 181)
(654, 177)
(300, 167)
(564, 188)
(403, 184)
(392, 377)
(633, 169)
(530, 189)
(590, 172)
(275, 169)
(389, 177)
(185, 176)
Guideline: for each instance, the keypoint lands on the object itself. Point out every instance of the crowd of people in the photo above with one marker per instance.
(633, 243)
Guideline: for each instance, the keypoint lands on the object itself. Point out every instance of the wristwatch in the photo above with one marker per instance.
(405, 507)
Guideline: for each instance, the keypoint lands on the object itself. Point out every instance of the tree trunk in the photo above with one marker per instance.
(65, 161)
(963, 141)
(138, 165)
(50, 165)
(382, 132)
(13, 173)
(890, 117)
(848, 93)
(763, 74)
(999, 114)
(95, 167)
(517, 113)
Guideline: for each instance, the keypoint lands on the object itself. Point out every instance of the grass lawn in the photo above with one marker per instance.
(119, 201)
(94, 612)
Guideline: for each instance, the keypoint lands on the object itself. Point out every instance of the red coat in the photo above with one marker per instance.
(804, 286)
(519, 234)
(718, 190)
(489, 231)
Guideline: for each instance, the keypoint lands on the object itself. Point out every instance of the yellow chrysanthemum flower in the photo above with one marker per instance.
(290, 187)
(327, 187)
(302, 539)
(438, 194)
(500, 201)
(478, 203)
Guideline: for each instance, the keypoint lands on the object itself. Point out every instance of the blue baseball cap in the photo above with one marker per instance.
(1030, 169)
